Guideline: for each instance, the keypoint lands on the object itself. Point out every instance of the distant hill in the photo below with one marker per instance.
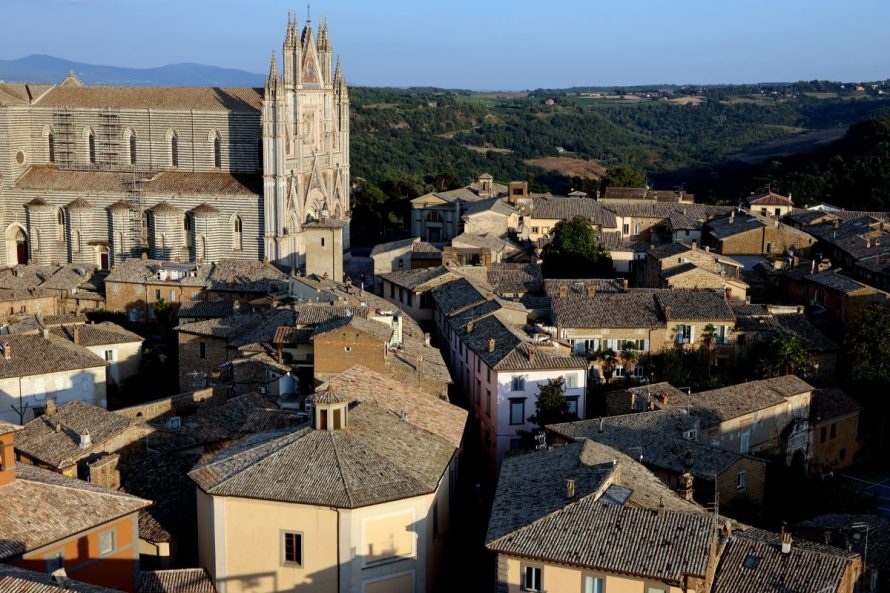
(47, 69)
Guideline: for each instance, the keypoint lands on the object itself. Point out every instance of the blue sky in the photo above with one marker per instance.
(481, 44)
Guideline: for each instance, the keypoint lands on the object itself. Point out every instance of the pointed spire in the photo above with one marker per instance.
(273, 67)
(338, 73)
(273, 80)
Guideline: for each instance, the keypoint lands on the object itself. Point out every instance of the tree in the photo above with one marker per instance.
(784, 355)
(552, 406)
(573, 252)
(622, 176)
(608, 361)
(867, 345)
(630, 356)
(709, 338)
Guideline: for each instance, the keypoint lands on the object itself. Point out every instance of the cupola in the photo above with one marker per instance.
(330, 411)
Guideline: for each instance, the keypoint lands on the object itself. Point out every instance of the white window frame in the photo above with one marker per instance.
(745, 441)
(517, 383)
(536, 571)
(107, 542)
(571, 380)
(517, 402)
(690, 435)
(741, 481)
(589, 584)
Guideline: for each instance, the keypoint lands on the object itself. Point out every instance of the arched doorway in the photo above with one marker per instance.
(102, 257)
(16, 245)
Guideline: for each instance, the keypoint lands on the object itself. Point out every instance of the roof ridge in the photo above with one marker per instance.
(252, 449)
(346, 488)
(96, 490)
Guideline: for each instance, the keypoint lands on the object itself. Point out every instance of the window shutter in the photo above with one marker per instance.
(691, 334)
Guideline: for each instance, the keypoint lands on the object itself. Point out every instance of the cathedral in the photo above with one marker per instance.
(99, 174)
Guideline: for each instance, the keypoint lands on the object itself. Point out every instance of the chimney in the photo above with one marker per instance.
(624, 285)
(661, 508)
(695, 244)
(686, 489)
(470, 327)
(732, 217)
(491, 344)
(85, 440)
(45, 334)
(591, 291)
(50, 408)
(7, 351)
(426, 340)
(601, 424)
(76, 335)
(7, 456)
(563, 290)
(786, 542)
(570, 488)
(667, 312)
(532, 354)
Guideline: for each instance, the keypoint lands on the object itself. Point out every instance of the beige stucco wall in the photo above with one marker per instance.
(125, 363)
(565, 579)
(86, 385)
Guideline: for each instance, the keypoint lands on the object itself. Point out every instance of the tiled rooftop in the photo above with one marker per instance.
(36, 355)
(19, 580)
(97, 334)
(832, 403)
(181, 580)
(564, 208)
(419, 280)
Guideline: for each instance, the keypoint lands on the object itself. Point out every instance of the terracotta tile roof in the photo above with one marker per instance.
(797, 325)
(377, 329)
(67, 507)
(844, 535)
(55, 439)
(51, 178)
(516, 278)
(423, 410)
(312, 314)
(832, 403)
(808, 567)
(393, 245)
(97, 334)
(292, 335)
(769, 199)
(18, 580)
(244, 275)
(579, 285)
(564, 208)
(834, 281)
(455, 296)
(656, 439)
(632, 309)
(532, 517)
(35, 355)
(172, 98)
(419, 280)
(718, 405)
(182, 580)
(377, 458)
(205, 309)
(694, 305)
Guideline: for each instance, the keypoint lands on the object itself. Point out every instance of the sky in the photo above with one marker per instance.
(481, 44)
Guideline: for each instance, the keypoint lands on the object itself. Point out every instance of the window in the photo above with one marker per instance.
(488, 402)
(133, 315)
(478, 391)
(75, 241)
(594, 584)
(202, 349)
(322, 241)
(517, 384)
(60, 225)
(636, 229)
(769, 247)
(722, 334)
(685, 334)
(833, 430)
(488, 370)
(51, 141)
(478, 365)
(572, 405)
(106, 542)
(392, 291)
(292, 548)
(744, 442)
(236, 233)
(174, 150)
(535, 230)
(132, 148)
(625, 228)
(347, 348)
(740, 481)
(91, 142)
(778, 212)
(217, 152)
(517, 411)
(751, 561)
(157, 294)
(410, 298)
(690, 435)
(110, 356)
(172, 296)
(656, 589)
(571, 381)
(531, 578)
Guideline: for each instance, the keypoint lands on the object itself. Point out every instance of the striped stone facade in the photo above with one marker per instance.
(96, 175)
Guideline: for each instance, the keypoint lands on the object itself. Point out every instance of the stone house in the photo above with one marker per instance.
(667, 443)
(95, 542)
(37, 369)
(637, 195)
(546, 211)
(552, 507)
(770, 416)
(438, 217)
(121, 348)
(135, 286)
(240, 280)
(300, 505)
(14, 303)
(409, 290)
(750, 234)
(677, 265)
(495, 216)
(834, 416)
(405, 254)
(77, 287)
(78, 440)
(843, 298)
(769, 204)
(344, 342)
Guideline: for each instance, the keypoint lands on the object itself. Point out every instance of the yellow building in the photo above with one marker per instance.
(358, 500)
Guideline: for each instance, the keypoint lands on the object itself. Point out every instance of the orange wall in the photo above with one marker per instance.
(116, 570)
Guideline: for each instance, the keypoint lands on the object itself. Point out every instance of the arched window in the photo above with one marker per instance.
(132, 148)
(75, 241)
(91, 140)
(35, 239)
(202, 248)
(51, 144)
(217, 152)
(60, 225)
(236, 233)
(174, 150)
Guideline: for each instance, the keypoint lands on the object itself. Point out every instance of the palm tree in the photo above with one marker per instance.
(629, 356)
(608, 361)
(709, 338)
(784, 355)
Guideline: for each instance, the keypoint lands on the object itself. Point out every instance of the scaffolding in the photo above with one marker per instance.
(107, 139)
(63, 138)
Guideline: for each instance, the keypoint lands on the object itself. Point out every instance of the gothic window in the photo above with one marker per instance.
(60, 225)
(174, 150)
(35, 239)
(91, 142)
(236, 233)
(202, 248)
(434, 216)
(132, 148)
(187, 225)
(75, 241)
(51, 143)
(217, 152)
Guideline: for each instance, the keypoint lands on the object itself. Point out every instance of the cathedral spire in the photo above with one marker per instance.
(290, 38)
(273, 79)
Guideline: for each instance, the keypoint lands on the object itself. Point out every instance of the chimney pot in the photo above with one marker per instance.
(570, 488)
(50, 408)
(470, 327)
(7, 351)
(491, 344)
(786, 542)
(591, 291)
(76, 335)
(85, 440)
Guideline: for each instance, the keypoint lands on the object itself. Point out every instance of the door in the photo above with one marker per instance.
(103, 261)
(21, 252)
